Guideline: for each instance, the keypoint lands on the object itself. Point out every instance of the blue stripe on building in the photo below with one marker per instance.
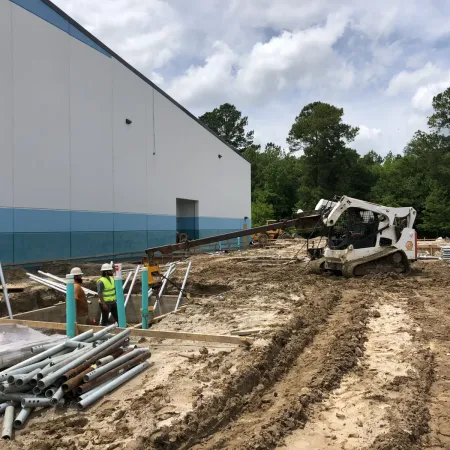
(39, 234)
(41, 10)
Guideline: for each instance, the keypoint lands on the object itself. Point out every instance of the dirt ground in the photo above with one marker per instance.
(338, 363)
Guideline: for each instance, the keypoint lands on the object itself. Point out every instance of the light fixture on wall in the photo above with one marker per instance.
(128, 121)
(220, 156)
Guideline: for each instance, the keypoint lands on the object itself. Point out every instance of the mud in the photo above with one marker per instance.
(349, 364)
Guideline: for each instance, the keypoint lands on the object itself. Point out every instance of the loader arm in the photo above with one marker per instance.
(303, 221)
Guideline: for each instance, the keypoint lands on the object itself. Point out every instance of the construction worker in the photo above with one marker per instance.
(107, 294)
(80, 297)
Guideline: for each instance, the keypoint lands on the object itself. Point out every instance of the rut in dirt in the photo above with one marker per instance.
(264, 367)
(284, 406)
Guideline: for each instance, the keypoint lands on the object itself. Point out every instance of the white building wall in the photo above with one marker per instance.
(91, 129)
(190, 153)
(130, 150)
(6, 105)
(66, 151)
(40, 113)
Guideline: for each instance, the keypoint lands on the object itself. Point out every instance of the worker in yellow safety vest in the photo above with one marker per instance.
(107, 295)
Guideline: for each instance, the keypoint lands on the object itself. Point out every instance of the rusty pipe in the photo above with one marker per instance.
(84, 365)
(75, 381)
(83, 388)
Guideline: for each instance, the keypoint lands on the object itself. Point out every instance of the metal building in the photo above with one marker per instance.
(96, 159)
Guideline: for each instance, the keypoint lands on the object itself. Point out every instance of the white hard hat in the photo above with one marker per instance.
(106, 267)
(76, 271)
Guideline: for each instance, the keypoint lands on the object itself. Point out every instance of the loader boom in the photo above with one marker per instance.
(305, 220)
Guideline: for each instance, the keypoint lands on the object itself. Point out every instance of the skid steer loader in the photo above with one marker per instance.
(362, 237)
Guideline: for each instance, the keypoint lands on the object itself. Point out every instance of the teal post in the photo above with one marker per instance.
(220, 245)
(144, 281)
(239, 242)
(71, 314)
(120, 301)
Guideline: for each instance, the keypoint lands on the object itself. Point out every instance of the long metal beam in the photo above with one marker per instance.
(306, 220)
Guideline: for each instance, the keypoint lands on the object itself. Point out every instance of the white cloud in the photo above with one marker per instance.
(367, 139)
(409, 80)
(212, 80)
(296, 58)
(422, 99)
(270, 58)
(145, 33)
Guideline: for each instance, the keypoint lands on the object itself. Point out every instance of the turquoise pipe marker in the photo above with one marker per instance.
(71, 313)
(120, 301)
(144, 281)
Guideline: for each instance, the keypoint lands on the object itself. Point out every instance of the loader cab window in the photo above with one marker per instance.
(355, 227)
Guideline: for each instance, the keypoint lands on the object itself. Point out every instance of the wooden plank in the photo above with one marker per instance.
(35, 324)
(135, 332)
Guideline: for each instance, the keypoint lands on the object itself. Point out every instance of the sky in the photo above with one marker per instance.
(381, 61)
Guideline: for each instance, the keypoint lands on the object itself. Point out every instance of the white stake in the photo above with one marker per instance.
(183, 285)
(132, 284)
(5, 292)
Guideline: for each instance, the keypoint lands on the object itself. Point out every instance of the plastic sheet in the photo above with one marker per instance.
(16, 342)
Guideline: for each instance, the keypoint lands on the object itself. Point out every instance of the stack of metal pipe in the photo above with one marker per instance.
(76, 372)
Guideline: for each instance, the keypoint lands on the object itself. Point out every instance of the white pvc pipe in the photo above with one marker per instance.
(132, 284)
(128, 279)
(5, 292)
(169, 272)
(183, 285)
(49, 283)
(46, 283)
(63, 280)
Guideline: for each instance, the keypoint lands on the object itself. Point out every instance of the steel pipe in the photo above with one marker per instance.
(16, 397)
(89, 362)
(75, 381)
(105, 360)
(51, 378)
(113, 372)
(11, 388)
(117, 362)
(22, 417)
(183, 285)
(20, 380)
(99, 334)
(113, 384)
(35, 402)
(82, 396)
(74, 355)
(36, 390)
(57, 396)
(50, 392)
(8, 423)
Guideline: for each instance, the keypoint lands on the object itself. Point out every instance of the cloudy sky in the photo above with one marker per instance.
(382, 61)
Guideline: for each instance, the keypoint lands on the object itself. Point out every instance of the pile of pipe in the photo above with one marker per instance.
(76, 372)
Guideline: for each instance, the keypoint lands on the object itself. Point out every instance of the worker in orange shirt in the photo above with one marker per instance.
(80, 297)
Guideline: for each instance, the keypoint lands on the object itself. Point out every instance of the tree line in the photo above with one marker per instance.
(320, 163)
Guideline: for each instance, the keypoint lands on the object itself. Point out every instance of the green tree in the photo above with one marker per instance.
(440, 119)
(321, 135)
(436, 217)
(228, 123)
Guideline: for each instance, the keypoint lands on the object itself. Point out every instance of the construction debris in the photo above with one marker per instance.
(66, 374)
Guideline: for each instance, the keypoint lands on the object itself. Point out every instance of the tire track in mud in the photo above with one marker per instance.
(245, 389)
(284, 406)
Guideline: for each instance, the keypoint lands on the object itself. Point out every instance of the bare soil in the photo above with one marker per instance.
(338, 363)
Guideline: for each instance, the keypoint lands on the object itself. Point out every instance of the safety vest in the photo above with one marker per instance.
(109, 292)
